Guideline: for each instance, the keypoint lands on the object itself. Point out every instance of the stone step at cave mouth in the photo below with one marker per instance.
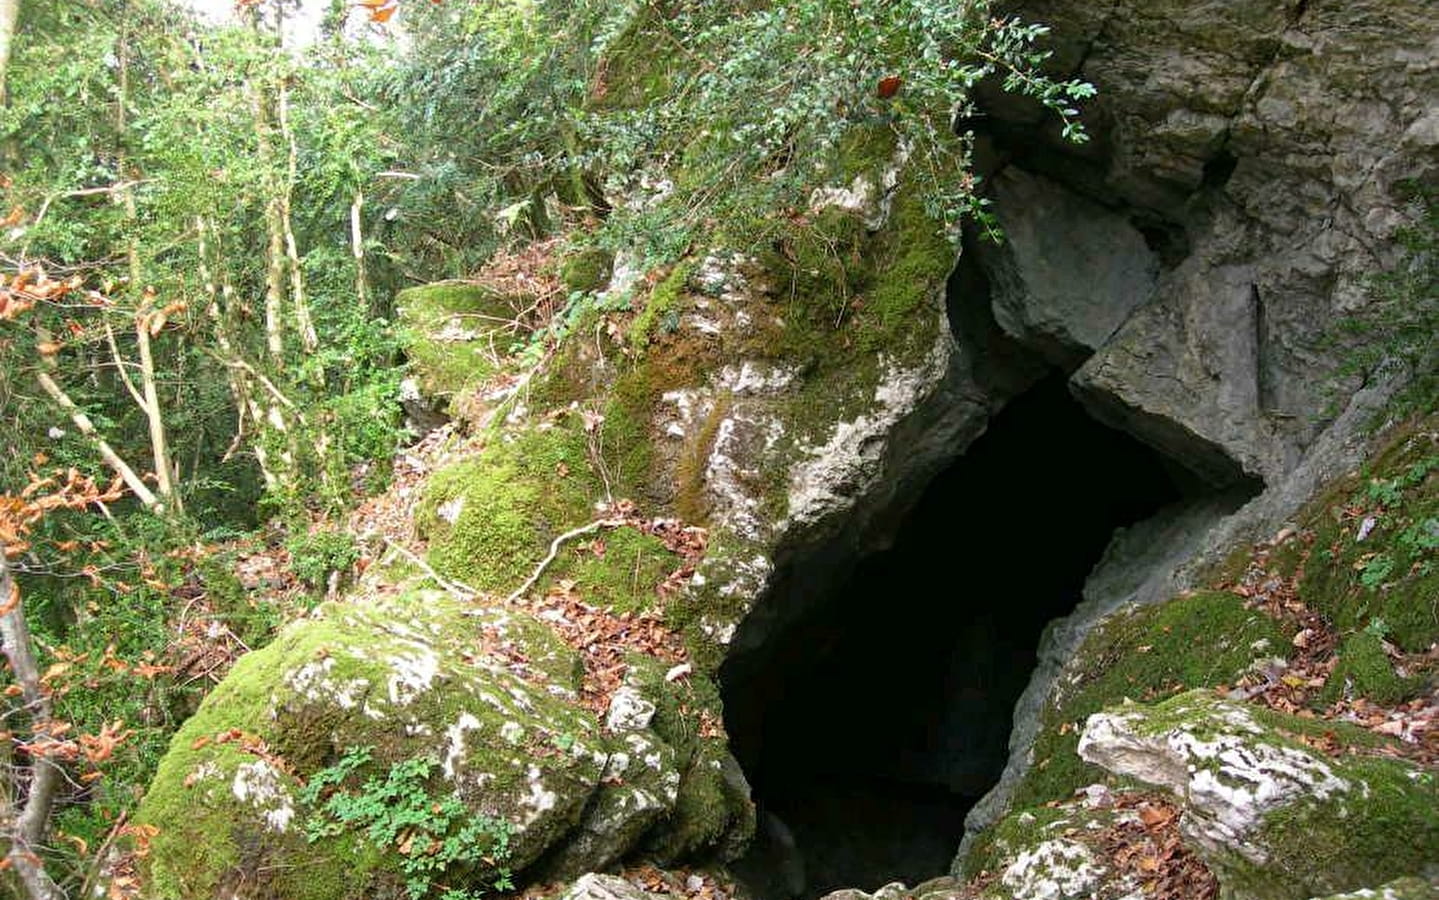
(870, 723)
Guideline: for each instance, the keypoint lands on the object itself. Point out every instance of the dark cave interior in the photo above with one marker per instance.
(870, 724)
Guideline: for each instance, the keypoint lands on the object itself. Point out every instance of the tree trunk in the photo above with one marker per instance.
(9, 16)
(357, 247)
(303, 321)
(159, 446)
(31, 823)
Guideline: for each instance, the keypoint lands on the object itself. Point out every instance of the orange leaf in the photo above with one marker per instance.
(384, 13)
(889, 86)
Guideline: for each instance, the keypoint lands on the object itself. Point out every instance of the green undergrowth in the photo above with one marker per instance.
(1391, 576)
(1193, 641)
(427, 828)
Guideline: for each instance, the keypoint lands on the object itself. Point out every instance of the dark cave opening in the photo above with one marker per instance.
(870, 723)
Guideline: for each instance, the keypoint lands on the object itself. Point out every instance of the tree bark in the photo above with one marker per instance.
(159, 446)
(32, 821)
(9, 16)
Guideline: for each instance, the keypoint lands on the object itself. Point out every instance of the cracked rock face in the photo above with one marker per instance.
(1261, 148)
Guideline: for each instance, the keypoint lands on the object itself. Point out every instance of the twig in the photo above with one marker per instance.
(94, 870)
(555, 545)
(458, 588)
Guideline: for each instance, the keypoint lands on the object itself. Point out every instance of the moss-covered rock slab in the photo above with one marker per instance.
(490, 695)
(1274, 818)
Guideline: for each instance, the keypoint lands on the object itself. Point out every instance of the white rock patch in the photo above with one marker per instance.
(315, 682)
(412, 674)
(1054, 870)
(1229, 777)
(849, 463)
(629, 710)
(455, 741)
(258, 784)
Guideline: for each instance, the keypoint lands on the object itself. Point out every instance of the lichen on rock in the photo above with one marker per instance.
(1262, 806)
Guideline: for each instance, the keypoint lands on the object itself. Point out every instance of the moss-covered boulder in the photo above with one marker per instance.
(587, 269)
(451, 336)
(1275, 818)
(1194, 640)
(487, 697)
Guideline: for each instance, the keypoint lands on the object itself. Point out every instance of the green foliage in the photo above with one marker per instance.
(744, 107)
(1393, 334)
(1391, 573)
(434, 834)
(316, 554)
(765, 117)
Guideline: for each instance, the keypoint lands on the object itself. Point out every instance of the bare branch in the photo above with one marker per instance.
(107, 453)
(555, 551)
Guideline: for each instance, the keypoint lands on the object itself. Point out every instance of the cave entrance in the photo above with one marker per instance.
(869, 724)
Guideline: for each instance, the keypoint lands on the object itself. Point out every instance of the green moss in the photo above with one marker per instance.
(1384, 829)
(329, 683)
(711, 808)
(994, 849)
(1392, 574)
(627, 439)
(661, 309)
(624, 577)
(1399, 889)
(1364, 670)
(489, 520)
(919, 257)
(588, 269)
(640, 65)
(691, 502)
(1199, 640)
(445, 330)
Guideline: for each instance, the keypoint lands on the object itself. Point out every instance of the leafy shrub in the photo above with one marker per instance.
(315, 555)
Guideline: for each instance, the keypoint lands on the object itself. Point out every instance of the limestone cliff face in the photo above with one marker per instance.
(1259, 148)
(1245, 176)
(1249, 171)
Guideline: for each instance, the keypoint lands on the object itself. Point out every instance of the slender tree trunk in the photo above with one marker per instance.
(357, 247)
(9, 16)
(32, 821)
(159, 446)
(274, 233)
(148, 397)
(303, 321)
(241, 375)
